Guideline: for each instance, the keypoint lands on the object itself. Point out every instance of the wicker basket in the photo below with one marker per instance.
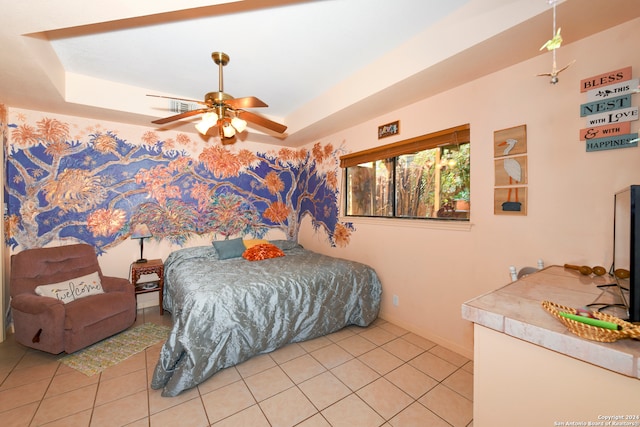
(595, 333)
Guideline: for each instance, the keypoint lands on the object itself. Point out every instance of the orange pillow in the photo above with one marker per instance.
(262, 251)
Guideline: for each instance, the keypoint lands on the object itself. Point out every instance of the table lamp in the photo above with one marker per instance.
(141, 231)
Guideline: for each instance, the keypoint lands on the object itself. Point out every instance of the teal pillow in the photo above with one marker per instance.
(229, 248)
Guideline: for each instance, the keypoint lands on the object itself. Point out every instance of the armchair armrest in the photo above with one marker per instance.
(117, 284)
(35, 304)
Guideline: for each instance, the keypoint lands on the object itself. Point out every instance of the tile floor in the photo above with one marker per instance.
(376, 376)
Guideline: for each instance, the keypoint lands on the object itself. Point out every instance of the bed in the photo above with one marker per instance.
(226, 311)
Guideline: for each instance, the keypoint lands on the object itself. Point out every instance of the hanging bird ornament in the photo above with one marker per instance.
(552, 45)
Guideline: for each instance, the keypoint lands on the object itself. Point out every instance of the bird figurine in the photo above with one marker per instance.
(554, 72)
(553, 43)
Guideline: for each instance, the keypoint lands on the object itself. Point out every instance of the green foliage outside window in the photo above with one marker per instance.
(426, 185)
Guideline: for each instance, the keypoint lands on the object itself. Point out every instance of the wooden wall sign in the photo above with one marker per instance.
(610, 91)
(606, 130)
(609, 111)
(389, 129)
(604, 105)
(605, 79)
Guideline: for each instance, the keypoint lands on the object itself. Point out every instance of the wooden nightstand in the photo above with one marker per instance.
(149, 267)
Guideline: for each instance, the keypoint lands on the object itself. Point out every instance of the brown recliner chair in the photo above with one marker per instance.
(48, 324)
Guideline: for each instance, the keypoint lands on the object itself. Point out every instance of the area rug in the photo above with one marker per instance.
(111, 351)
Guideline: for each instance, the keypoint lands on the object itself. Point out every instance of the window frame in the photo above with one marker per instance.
(453, 136)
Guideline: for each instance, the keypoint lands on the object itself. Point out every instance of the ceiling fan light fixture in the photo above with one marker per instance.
(227, 130)
(239, 124)
(208, 121)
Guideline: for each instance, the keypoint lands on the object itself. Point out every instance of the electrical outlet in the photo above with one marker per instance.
(396, 300)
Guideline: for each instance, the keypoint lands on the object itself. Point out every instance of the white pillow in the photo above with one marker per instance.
(72, 289)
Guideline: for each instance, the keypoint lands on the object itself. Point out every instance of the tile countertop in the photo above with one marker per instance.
(516, 310)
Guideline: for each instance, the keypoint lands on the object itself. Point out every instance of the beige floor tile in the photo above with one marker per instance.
(255, 364)
(419, 341)
(132, 364)
(64, 405)
(287, 408)
(324, 390)
(385, 398)
(381, 361)
(76, 420)
(378, 336)
(22, 395)
(356, 345)
(288, 352)
(35, 389)
(315, 344)
(158, 403)
(352, 412)
(33, 358)
(412, 381)
(340, 335)
(24, 376)
(449, 356)
(70, 381)
(302, 368)
(355, 374)
(143, 422)
(316, 421)
(188, 414)
(331, 356)
(122, 411)
(219, 379)
(449, 405)
(417, 415)
(394, 329)
(433, 366)
(268, 383)
(19, 416)
(250, 417)
(121, 386)
(403, 349)
(461, 382)
(228, 400)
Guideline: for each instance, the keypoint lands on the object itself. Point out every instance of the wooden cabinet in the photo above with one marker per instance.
(150, 267)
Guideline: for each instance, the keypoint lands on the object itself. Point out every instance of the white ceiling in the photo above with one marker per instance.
(320, 65)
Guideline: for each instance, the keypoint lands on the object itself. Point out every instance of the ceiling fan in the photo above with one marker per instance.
(223, 111)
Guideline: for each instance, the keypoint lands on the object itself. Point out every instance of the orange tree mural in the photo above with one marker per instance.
(93, 191)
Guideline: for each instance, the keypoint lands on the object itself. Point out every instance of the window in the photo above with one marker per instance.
(423, 177)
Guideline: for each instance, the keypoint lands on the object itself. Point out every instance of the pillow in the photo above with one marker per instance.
(72, 289)
(262, 251)
(229, 248)
(248, 243)
(285, 245)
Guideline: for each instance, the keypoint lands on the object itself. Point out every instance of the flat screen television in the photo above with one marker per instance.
(626, 246)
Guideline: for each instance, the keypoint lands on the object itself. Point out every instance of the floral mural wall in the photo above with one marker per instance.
(91, 184)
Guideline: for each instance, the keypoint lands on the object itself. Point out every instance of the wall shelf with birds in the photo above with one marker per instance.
(510, 153)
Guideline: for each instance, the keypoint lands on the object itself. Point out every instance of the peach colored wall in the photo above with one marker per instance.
(434, 270)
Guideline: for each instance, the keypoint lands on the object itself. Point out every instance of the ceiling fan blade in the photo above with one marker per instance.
(180, 116)
(247, 102)
(261, 121)
(180, 99)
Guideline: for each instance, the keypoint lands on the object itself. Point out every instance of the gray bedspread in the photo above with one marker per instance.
(226, 311)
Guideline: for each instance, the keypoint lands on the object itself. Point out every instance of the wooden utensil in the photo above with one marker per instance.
(586, 270)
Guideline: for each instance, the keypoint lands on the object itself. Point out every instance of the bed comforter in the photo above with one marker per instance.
(226, 311)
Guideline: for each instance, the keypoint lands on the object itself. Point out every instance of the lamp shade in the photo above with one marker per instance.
(208, 121)
(239, 124)
(140, 231)
(228, 130)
